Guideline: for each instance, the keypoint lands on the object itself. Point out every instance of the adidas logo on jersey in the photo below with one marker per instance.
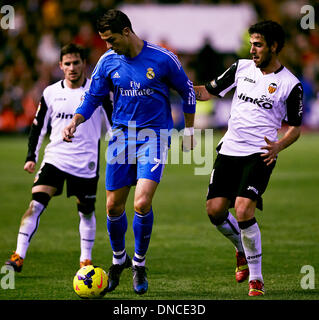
(116, 75)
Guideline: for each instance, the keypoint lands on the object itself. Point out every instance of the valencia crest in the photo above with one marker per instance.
(272, 88)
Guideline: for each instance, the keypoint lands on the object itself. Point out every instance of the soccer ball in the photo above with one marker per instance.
(90, 282)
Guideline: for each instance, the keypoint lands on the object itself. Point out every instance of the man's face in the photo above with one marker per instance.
(261, 53)
(116, 41)
(72, 66)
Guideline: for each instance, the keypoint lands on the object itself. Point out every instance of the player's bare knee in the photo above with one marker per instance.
(142, 204)
(243, 212)
(114, 208)
(216, 210)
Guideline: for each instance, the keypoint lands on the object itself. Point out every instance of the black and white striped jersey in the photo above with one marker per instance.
(56, 108)
(259, 106)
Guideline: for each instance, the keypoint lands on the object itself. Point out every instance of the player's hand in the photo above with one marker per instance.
(189, 142)
(29, 166)
(273, 150)
(68, 132)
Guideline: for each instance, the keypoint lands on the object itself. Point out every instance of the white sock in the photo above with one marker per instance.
(28, 227)
(119, 257)
(87, 228)
(138, 260)
(230, 229)
(251, 240)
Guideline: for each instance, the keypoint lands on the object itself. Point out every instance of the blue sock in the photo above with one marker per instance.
(142, 227)
(116, 227)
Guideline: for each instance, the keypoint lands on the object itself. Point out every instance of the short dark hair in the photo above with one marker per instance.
(73, 48)
(272, 32)
(114, 20)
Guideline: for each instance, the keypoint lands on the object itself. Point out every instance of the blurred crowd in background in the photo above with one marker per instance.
(29, 53)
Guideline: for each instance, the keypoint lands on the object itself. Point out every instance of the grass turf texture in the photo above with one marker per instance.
(187, 259)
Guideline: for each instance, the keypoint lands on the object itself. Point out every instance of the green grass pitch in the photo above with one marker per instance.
(187, 259)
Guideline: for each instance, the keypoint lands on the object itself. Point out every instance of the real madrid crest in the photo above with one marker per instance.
(150, 73)
(272, 88)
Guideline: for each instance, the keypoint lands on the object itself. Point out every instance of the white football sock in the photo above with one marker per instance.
(87, 228)
(229, 228)
(138, 260)
(119, 257)
(251, 240)
(28, 227)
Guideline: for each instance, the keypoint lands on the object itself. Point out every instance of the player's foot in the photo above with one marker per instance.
(242, 270)
(86, 262)
(16, 262)
(115, 273)
(256, 288)
(140, 283)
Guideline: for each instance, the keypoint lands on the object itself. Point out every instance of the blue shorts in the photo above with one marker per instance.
(133, 154)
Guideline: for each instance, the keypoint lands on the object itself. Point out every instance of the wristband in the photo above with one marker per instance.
(189, 131)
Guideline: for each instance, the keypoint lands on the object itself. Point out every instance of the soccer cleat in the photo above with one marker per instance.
(256, 288)
(242, 270)
(140, 283)
(16, 262)
(86, 262)
(115, 272)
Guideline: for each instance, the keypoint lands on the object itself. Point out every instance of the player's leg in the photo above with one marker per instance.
(225, 222)
(87, 229)
(152, 148)
(223, 183)
(41, 195)
(85, 191)
(117, 222)
(143, 218)
(117, 227)
(254, 180)
(251, 240)
(142, 227)
(48, 183)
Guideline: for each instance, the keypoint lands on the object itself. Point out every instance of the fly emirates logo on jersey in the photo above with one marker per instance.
(136, 90)
(262, 102)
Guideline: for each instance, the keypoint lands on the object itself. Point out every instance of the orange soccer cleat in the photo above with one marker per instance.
(256, 288)
(16, 262)
(242, 270)
(86, 262)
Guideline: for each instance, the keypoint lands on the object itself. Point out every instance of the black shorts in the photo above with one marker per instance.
(233, 177)
(83, 188)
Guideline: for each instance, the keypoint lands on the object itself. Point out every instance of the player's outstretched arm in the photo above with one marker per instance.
(68, 131)
(29, 166)
(202, 94)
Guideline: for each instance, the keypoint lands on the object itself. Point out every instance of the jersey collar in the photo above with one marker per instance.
(279, 69)
(83, 85)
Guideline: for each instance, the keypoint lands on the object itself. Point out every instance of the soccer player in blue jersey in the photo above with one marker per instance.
(140, 75)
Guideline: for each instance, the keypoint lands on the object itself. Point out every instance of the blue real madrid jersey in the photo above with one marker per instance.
(140, 87)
